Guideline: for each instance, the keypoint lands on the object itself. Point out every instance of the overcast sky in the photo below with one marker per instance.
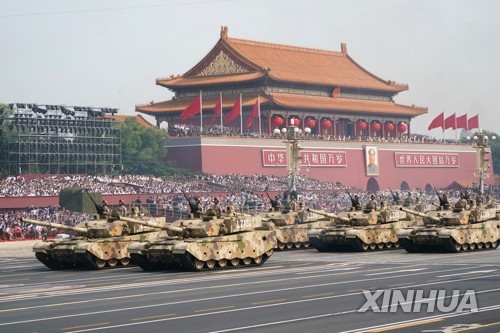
(109, 53)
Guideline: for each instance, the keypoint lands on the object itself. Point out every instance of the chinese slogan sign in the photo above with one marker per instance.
(427, 160)
(277, 158)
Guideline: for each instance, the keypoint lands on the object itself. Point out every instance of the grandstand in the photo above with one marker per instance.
(59, 139)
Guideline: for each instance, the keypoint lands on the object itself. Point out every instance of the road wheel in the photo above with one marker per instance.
(257, 260)
(198, 264)
(480, 245)
(112, 262)
(297, 245)
(125, 261)
(389, 245)
(380, 246)
(465, 247)
(281, 245)
(222, 263)
(247, 261)
(235, 262)
(289, 245)
(397, 245)
(306, 244)
(100, 263)
(487, 245)
(211, 264)
(373, 246)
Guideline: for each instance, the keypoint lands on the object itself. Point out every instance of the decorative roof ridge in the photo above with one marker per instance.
(288, 47)
(413, 106)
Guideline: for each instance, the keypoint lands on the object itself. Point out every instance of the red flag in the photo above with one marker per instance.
(437, 122)
(255, 113)
(462, 122)
(336, 92)
(235, 112)
(193, 109)
(450, 122)
(217, 110)
(473, 122)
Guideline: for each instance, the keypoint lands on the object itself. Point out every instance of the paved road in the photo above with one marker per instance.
(295, 291)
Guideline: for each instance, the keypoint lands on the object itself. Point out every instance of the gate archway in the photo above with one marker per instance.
(372, 185)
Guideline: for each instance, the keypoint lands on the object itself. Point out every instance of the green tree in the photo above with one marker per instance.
(143, 151)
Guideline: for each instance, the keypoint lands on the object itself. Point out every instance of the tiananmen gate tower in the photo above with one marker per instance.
(348, 116)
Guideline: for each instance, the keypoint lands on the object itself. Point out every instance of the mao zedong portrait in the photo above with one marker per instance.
(372, 166)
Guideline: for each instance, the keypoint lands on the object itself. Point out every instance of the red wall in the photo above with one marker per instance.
(244, 156)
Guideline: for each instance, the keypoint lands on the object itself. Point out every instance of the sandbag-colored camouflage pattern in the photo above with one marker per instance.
(96, 244)
(364, 230)
(208, 243)
(454, 230)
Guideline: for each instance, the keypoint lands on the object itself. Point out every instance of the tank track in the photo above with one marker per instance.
(447, 245)
(89, 261)
(355, 245)
(49, 262)
(292, 246)
(187, 261)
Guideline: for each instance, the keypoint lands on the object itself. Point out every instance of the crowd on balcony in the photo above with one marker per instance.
(190, 130)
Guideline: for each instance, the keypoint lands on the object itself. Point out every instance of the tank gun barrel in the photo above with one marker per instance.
(151, 224)
(55, 225)
(413, 212)
(330, 215)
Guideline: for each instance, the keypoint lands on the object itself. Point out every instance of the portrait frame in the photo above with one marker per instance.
(371, 161)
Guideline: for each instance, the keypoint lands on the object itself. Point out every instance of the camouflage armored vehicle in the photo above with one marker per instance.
(96, 244)
(207, 243)
(361, 230)
(454, 230)
(292, 226)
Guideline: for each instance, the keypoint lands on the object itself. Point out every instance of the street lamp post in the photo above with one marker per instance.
(293, 153)
(482, 144)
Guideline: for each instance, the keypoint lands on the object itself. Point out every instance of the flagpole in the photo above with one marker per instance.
(258, 108)
(201, 113)
(241, 117)
(220, 102)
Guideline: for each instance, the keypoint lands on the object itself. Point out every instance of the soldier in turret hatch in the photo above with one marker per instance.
(372, 204)
(122, 209)
(355, 203)
(106, 211)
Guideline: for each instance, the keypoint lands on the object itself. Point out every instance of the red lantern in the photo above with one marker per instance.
(402, 127)
(310, 123)
(389, 126)
(361, 125)
(326, 123)
(375, 126)
(276, 121)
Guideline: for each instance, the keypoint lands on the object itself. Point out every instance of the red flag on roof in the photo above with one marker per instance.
(235, 111)
(217, 110)
(336, 92)
(193, 109)
(255, 112)
(462, 122)
(437, 122)
(450, 122)
(473, 122)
